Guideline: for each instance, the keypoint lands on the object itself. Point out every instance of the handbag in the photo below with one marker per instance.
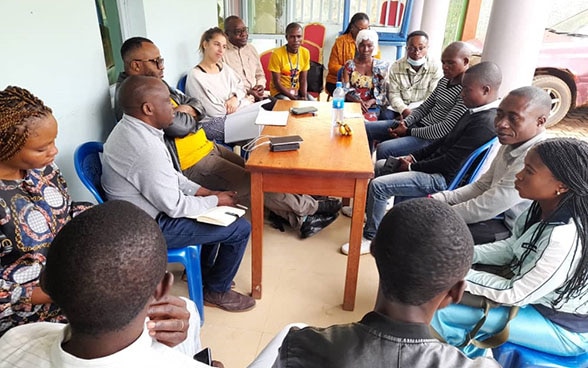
(314, 77)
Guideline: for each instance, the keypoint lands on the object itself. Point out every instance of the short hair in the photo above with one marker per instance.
(536, 98)
(229, 20)
(209, 35)
(18, 108)
(134, 91)
(422, 248)
(104, 265)
(460, 49)
(292, 26)
(417, 34)
(354, 19)
(487, 72)
(130, 45)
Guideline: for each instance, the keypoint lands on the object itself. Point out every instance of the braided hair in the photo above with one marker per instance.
(566, 158)
(17, 108)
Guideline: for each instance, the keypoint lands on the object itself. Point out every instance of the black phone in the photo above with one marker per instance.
(204, 356)
(303, 110)
(286, 139)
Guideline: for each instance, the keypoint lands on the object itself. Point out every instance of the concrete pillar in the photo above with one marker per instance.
(433, 22)
(417, 15)
(514, 37)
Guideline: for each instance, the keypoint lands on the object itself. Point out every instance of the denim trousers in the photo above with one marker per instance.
(222, 246)
(378, 131)
(402, 184)
(529, 328)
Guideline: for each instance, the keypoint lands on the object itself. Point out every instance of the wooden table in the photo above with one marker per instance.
(325, 164)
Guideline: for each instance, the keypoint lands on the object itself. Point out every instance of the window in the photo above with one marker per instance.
(111, 37)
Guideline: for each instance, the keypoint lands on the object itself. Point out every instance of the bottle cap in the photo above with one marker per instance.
(339, 84)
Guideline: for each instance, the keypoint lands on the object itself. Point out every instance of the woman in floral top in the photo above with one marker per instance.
(366, 77)
(34, 205)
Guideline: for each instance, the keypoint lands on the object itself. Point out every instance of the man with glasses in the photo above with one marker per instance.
(413, 78)
(243, 58)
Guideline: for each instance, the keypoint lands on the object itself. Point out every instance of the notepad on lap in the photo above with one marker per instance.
(221, 216)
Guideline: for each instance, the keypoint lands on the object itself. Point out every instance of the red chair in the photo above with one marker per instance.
(316, 52)
(392, 13)
(265, 58)
(314, 32)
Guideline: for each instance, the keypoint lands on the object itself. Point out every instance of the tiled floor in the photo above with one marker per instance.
(303, 282)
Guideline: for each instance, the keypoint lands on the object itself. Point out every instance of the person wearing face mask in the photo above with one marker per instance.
(414, 77)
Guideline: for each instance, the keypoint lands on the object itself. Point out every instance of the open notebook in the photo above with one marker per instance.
(221, 215)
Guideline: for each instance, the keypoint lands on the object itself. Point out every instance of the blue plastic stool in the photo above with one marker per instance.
(515, 356)
(189, 256)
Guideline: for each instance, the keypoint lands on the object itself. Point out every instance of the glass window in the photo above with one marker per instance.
(111, 37)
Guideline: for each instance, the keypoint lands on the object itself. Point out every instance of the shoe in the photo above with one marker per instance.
(365, 247)
(230, 300)
(329, 205)
(315, 223)
(347, 211)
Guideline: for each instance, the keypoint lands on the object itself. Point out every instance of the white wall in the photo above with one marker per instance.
(55, 50)
(176, 27)
(56, 53)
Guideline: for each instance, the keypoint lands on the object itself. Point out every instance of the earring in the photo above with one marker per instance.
(557, 192)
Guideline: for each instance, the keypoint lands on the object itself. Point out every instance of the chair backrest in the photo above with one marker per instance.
(316, 53)
(314, 32)
(472, 165)
(89, 168)
(182, 83)
(264, 58)
(392, 13)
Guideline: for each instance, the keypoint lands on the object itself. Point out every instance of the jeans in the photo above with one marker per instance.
(529, 328)
(401, 146)
(378, 131)
(401, 184)
(219, 264)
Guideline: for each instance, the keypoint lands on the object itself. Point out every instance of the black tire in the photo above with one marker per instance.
(561, 97)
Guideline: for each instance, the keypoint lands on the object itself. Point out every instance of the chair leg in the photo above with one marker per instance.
(194, 275)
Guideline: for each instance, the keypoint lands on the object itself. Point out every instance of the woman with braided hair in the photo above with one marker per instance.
(34, 206)
(547, 257)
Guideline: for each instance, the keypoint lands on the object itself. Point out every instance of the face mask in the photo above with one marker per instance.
(418, 62)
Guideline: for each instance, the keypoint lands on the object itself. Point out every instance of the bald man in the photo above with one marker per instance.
(138, 168)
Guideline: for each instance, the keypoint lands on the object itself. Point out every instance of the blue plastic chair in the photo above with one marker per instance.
(89, 169)
(515, 356)
(182, 83)
(479, 156)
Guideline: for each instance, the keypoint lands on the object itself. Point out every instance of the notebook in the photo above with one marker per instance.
(221, 215)
(240, 125)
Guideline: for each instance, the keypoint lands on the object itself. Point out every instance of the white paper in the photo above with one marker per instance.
(265, 117)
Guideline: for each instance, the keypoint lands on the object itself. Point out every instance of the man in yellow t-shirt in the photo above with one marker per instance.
(289, 66)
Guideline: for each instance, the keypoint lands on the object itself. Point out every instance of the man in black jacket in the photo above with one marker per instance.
(432, 168)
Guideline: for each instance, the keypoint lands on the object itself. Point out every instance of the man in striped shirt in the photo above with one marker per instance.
(433, 119)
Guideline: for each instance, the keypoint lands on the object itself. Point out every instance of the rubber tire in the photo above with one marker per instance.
(561, 96)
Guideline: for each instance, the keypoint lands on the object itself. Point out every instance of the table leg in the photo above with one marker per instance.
(256, 233)
(359, 198)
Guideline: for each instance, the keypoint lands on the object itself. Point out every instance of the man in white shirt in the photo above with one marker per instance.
(520, 124)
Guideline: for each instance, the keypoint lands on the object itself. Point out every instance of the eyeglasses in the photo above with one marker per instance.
(415, 49)
(240, 31)
(158, 61)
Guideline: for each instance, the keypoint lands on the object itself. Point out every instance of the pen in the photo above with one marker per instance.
(241, 206)
(232, 214)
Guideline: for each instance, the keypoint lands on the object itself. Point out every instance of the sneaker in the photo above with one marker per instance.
(315, 223)
(347, 211)
(365, 246)
(230, 300)
(328, 206)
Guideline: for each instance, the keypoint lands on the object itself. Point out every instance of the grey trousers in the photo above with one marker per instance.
(222, 169)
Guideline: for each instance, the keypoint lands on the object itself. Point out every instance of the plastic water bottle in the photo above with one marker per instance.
(338, 104)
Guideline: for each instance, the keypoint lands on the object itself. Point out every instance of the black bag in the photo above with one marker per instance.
(314, 77)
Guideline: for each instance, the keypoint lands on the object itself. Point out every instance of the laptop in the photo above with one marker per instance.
(240, 125)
